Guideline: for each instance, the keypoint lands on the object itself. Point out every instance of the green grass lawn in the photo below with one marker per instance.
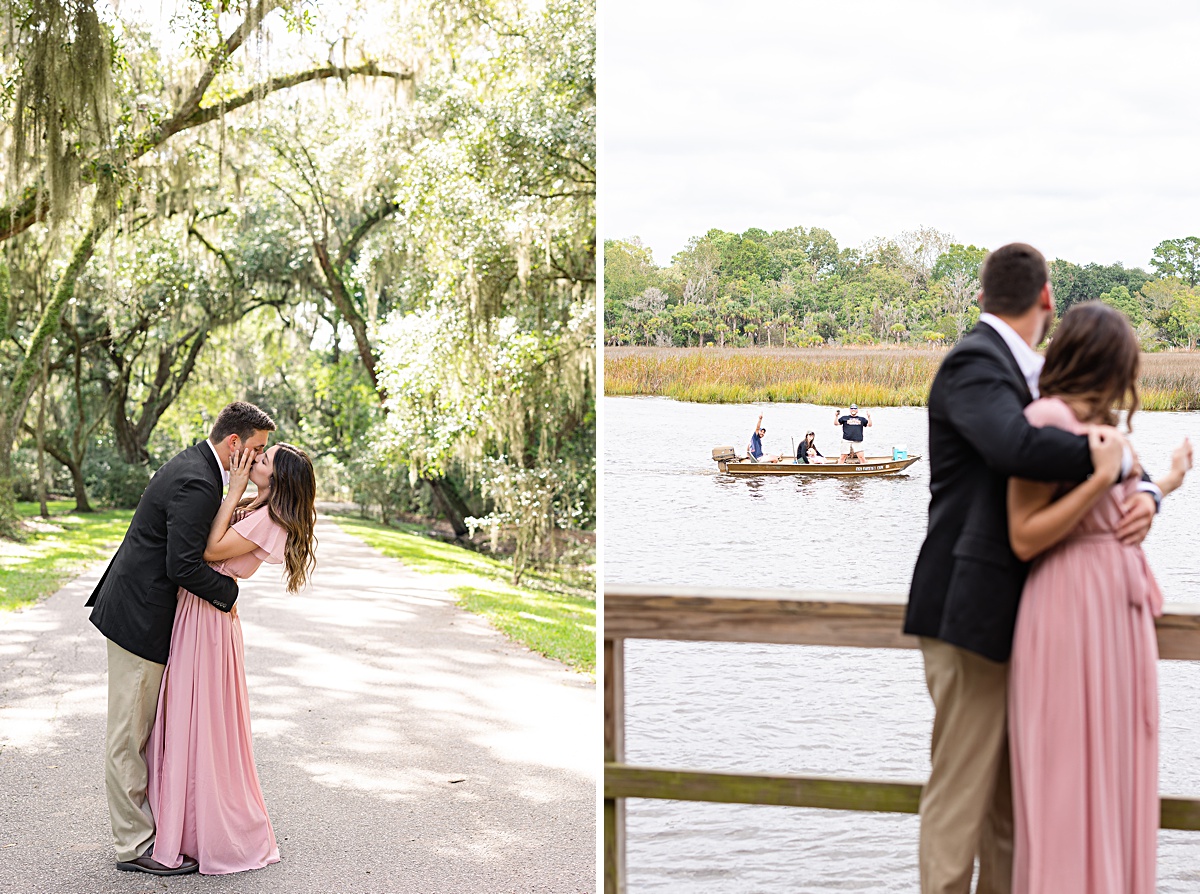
(48, 558)
(553, 614)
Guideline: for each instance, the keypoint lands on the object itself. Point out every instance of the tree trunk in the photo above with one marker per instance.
(81, 498)
(9, 525)
(342, 301)
(73, 464)
(41, 448)
(131, 447)
(441, 490)
(16, 400)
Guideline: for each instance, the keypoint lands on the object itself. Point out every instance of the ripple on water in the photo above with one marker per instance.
(809, 710)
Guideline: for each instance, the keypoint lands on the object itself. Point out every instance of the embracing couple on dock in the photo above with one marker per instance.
(1034, 603)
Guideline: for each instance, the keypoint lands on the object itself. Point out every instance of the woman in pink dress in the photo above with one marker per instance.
(1083, 683)
(203, 788)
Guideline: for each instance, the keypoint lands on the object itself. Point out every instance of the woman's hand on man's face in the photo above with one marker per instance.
(240, 463)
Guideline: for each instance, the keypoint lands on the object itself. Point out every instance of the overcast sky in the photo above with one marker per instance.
(1071, 125)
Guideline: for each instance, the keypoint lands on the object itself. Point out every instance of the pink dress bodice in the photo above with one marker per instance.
(1103, 519)
(269, 540)
(1106, 514)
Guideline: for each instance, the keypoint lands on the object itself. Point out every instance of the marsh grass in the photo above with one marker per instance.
(876, 377)
(553, 612)
(1170, 381)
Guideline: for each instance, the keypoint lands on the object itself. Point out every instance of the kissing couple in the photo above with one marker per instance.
(183, 793)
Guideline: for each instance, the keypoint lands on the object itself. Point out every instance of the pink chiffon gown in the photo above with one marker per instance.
(203, 788)
(1083, 708)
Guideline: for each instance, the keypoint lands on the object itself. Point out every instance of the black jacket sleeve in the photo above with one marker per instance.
(988, 410)
(189, 518)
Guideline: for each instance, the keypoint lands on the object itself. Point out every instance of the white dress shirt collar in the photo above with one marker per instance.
(1031, 363)
(224, 471)
(1029, 360)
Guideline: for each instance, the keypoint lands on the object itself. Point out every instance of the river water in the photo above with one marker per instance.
(671, 518)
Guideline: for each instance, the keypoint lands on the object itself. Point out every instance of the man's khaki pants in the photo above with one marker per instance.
(966, 807)
(133, 684)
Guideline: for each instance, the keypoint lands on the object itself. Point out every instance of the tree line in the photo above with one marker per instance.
(382, 235)
(799, 287)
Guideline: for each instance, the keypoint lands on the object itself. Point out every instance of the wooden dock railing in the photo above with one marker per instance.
(791, 617)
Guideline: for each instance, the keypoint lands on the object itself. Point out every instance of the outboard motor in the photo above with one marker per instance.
(724, 456)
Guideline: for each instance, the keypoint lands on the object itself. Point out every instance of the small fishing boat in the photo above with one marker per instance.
(730, 463)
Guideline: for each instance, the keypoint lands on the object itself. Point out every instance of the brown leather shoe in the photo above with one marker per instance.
(146, 863)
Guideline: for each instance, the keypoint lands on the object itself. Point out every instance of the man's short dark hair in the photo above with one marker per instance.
(242, 419)
(1012, 277)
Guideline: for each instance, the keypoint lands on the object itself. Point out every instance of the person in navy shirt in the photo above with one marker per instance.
(852, 434)
(755, 449)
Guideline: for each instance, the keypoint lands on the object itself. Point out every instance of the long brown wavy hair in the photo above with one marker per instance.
(1093, 360)
(292, 505)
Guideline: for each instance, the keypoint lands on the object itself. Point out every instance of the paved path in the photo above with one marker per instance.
(403, 745)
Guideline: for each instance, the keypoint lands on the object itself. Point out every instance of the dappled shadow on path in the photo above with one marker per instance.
(403, 745)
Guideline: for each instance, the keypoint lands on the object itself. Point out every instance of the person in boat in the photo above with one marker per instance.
(852, 434)
(807, 452)
(755, 448)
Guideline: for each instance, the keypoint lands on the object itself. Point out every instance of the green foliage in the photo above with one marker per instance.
(1120, 298)
(488, 363)
(1179, 259)
(9, 524)
(1073, 284)
(61, 93)
(25, 476)
(113, 482)
(628, 271)
(378, 481)
(795, 287)
(959, 260)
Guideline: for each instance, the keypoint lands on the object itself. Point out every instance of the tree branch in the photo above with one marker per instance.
(191, 104)
(31, 208)
(216, 251)
(342, 301)
(272, 85)
(384, 211)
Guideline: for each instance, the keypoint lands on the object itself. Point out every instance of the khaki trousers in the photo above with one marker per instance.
(966, 807)
(133, 684)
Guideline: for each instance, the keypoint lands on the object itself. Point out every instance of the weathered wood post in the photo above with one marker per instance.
(614, 752)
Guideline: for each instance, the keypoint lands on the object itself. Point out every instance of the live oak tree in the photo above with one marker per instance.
(493, 368)
(77, 141)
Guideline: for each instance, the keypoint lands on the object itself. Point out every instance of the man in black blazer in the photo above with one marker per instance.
(134, 607)
(967, 581)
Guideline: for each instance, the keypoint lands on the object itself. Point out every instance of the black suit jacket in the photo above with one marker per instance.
(163, 550)
(967, 581)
